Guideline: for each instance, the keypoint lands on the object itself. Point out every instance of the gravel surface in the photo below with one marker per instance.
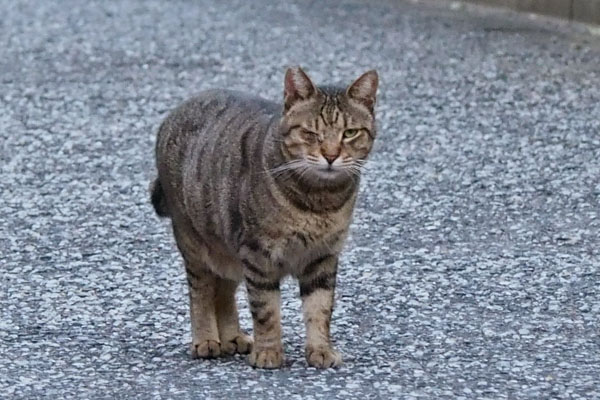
(473, 268)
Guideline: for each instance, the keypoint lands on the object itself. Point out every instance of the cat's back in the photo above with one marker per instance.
(211, 111)
(209, 126)
(214, 103)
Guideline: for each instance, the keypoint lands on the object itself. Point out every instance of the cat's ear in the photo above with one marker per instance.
(297, 86)
(364, 89)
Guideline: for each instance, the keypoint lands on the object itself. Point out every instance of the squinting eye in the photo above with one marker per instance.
(350, 133)
(310, 135)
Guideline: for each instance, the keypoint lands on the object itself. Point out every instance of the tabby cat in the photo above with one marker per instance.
(257, 191)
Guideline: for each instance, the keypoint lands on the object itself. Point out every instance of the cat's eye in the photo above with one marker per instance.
(311, 136)
(350, 133)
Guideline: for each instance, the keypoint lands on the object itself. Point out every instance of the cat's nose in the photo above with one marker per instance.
(330, 157)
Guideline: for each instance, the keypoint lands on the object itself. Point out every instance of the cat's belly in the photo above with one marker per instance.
(224, 264)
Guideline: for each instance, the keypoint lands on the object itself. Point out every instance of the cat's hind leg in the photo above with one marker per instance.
(233, 339)
(202, 285)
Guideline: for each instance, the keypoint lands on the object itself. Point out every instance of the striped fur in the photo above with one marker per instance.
(257, 191)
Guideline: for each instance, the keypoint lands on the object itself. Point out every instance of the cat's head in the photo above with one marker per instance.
(327, 132)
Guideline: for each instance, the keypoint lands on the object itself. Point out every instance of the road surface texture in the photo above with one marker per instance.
(472, 271)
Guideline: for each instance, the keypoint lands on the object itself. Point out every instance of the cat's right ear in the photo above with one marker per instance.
(297, 87)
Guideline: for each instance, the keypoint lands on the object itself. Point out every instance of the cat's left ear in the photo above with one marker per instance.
(297, 87)
(364, 89)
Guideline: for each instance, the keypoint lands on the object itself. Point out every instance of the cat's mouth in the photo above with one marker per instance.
(321, 173)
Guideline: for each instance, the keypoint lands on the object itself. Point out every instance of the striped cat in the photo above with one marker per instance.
(257, 191)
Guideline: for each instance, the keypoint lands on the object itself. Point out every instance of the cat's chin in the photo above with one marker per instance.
(328, 176)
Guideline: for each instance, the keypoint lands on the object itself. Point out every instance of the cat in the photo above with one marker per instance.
(257, 191)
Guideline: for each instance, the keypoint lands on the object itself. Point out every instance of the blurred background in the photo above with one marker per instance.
(587, 11)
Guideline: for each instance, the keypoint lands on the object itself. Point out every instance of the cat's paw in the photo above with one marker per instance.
(206, 349)
(241, 344)
(323, 357)
(266, 358)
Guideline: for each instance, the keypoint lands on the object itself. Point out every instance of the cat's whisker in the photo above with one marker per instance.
(280, 173)
(290, 165)
(287, 168)
(352, 167)
(366, 164)
(352, 172)
(302, 168)
(303, 172)
(369, 162)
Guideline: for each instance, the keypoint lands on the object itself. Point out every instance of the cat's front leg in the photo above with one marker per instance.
(317, 286)
(264, 297)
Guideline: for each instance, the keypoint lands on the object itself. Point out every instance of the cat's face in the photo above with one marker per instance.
(327, 133)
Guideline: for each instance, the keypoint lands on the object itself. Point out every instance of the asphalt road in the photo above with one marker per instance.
(472, 271)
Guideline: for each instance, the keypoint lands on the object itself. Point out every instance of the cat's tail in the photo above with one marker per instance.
(157, 196)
